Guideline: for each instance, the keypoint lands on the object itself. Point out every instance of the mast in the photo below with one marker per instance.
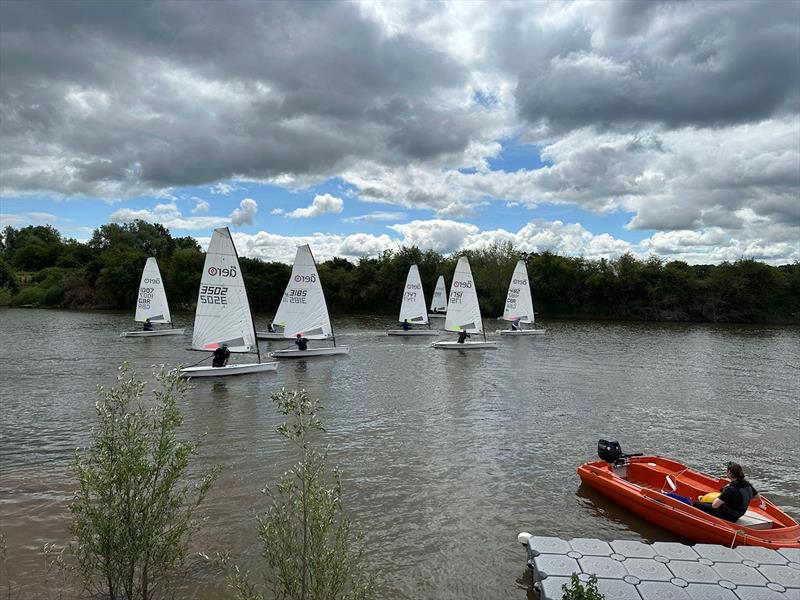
(249, 308)
(314, 260)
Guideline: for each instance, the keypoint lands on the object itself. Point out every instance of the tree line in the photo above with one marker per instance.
(39, 267)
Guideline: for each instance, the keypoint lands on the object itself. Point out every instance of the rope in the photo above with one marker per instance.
(201, 360)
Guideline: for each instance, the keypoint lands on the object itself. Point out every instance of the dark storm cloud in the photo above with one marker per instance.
(676, 64)
(117, 96)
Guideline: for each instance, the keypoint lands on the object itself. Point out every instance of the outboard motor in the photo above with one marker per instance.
(611, 452)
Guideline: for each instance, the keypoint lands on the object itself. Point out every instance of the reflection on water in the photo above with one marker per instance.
(446, 455)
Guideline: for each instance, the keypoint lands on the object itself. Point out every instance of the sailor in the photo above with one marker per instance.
(270, 327)
(221, 356)
(515, 324)
(405, 325)
(302, 343)
(462, 336)
(733, 499)
(148, 326)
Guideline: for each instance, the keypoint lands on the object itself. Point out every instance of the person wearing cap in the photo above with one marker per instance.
(733, 499)
(148, 326)
(462, 336)
(221, 356)
(301, 342)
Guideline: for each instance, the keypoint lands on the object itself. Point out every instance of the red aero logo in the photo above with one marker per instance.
(222, 271)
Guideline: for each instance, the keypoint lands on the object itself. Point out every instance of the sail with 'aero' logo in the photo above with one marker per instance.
(413, 306)
(439, 300)
(223, 311)
(303, 309)
(152, 301)
(463, 311)
(519, 303)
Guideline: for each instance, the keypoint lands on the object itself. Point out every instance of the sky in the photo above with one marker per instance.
(583, 128)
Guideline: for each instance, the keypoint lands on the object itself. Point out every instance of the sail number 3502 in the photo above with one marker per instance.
(213, 294)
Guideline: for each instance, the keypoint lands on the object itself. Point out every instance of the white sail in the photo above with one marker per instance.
(519, 304)
(223, 311)
(152, 301)
(303, 309)
(463, 311)
(439, 301)
(413, 306)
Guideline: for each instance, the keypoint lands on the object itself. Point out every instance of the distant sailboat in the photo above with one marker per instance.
(439, 300)
(519, 303)
(151, 304)
(413, 308)
(223, 312)
(303, 310)
(463, 311)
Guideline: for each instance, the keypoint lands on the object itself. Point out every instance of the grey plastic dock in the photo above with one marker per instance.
(631, 570)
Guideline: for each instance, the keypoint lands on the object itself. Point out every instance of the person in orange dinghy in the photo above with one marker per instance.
(733, 499)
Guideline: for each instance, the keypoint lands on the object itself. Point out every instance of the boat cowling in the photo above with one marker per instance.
(609, 451)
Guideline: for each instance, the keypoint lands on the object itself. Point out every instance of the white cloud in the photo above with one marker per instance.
(375, 216)
(322, 204)
(276, 211)
(440, 235)
(201, 207)
(457, 209)
(169, 215)
(223, 189)
(25, 219)
(245, 214)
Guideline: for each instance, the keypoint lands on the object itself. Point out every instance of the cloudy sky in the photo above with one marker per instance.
(584, 128)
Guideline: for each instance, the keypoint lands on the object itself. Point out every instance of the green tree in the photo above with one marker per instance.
(133, 512)
(307, 541)
(577, 591)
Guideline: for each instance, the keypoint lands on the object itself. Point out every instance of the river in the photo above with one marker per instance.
(445, 455)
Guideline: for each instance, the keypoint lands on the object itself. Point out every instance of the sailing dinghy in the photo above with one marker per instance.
(223, 312)
(413, 308)
(303, 310)
(152, 303)
(519, 303)
(463, 311)
(439, 300)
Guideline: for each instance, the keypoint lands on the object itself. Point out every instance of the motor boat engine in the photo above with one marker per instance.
(609, 451)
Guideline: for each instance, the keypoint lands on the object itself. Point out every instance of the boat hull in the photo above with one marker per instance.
(437, 315)
(154, 333)
(413, 332)
(520, 331)
(310, 353)
(228, 370)
(640, 489)
(267, 335)
(447, 345)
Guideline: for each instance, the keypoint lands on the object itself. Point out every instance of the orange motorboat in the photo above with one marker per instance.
(661, 490)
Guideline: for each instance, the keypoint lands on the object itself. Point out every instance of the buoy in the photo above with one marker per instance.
(523, 538)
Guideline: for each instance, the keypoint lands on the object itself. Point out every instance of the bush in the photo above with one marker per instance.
(577, 591)
(307, 541)
(132, 515)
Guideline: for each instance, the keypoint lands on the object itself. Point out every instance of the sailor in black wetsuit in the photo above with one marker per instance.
(734, 497)
(405, 325)
(221, 356)
(302, 343)
(148, 326)
(462, 336)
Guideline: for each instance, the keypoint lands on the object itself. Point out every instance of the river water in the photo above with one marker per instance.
(446, 455)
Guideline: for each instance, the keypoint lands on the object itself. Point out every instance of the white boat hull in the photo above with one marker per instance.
(235, 369)
(413, 332)
(439, 315)
(154, 333)
(447, 345)
(520, 331)
(266, 335)
(311, 352)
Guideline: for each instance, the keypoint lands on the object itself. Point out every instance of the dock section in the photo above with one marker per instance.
(632, 570)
